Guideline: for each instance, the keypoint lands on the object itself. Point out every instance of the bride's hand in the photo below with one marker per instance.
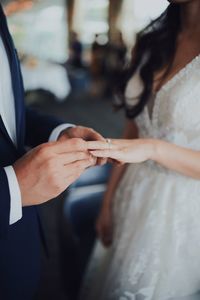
(124, 151)
(104, 226)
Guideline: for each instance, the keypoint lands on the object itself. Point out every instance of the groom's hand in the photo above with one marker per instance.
(47, 170)
(85, 133)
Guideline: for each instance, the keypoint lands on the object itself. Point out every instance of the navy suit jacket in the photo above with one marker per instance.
(20, 242)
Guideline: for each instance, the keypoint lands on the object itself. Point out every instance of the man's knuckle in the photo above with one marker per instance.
(44, 150)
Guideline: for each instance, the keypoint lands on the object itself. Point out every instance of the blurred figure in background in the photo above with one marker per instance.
(120, 50)
(107, 61)
(115, 61)
(98, 65)
(76, 51)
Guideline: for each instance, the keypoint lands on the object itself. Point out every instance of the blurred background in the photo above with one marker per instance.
(71, 53)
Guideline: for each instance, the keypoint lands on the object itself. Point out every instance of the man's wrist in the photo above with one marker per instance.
(65, 133)
(58, 131)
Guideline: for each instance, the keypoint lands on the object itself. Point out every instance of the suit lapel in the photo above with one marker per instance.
(15, 77)
(5, 133)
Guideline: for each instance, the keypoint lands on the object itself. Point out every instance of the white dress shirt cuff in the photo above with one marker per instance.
(57, 131)
(15, 196)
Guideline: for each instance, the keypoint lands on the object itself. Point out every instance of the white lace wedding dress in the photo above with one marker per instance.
(156, 250)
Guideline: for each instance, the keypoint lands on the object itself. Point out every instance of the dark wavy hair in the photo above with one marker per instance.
(156, 42)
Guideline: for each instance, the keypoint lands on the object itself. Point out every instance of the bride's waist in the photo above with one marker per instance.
(151, 174)
(148, 166)
(154, 169)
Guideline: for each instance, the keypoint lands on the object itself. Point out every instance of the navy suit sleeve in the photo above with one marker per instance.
(4, 204)
(39, 127)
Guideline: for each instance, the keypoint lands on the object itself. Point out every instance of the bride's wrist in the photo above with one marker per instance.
(153, 146)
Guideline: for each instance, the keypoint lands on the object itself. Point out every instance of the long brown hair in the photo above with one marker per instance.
(158, 43)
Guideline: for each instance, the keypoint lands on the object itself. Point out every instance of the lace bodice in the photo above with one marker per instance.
(176, 112)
